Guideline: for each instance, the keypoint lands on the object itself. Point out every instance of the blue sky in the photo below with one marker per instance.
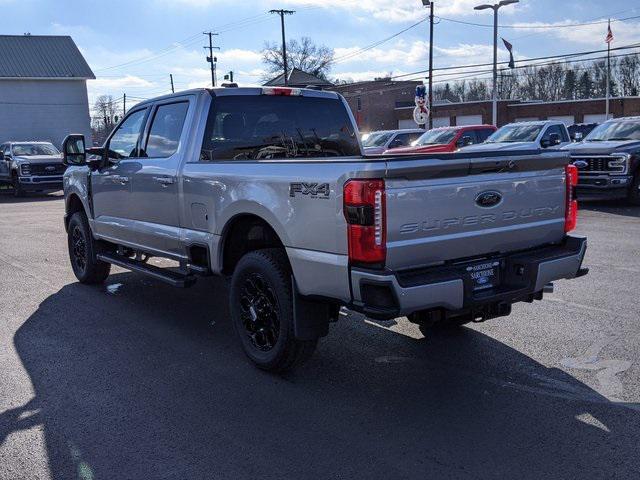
(132, 46)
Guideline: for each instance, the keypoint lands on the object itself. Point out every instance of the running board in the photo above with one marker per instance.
(174, 279)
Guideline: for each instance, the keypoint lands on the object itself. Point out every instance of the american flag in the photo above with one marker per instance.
(609, 38)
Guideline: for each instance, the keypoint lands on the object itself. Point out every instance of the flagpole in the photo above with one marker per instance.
(608, 72)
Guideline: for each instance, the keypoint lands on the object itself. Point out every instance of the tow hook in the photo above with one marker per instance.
(548, 288)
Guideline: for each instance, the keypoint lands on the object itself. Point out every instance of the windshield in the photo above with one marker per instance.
(33, 149)
(377, 139)
(436, 137)
(615, 131)
(516, 133)
(264, 127)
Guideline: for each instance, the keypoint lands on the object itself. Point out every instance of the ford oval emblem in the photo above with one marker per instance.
(581, 164)
(488, 199)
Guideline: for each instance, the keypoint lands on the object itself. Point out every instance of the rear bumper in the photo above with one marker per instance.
(524, 275)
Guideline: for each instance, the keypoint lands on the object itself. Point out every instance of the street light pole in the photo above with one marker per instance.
(494, 90)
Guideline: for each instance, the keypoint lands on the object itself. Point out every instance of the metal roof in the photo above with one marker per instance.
(41, 56)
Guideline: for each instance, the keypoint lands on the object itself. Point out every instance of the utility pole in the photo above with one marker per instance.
(124, 104)
(171, 77)
(494, 92)
(608, 40)
(211, 59)
(429, 3)
(282, 13)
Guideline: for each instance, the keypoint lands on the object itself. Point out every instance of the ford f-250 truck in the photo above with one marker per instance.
(269, 188)
(608, 161)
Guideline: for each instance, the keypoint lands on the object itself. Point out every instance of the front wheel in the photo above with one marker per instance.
(261, 304)
(634, 192)
(82, 252)
(18, 191)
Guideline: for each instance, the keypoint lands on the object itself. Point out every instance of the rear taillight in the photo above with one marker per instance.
(365, 212)
(571, 213)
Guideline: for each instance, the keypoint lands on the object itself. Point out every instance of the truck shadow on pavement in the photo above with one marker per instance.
(137, 380)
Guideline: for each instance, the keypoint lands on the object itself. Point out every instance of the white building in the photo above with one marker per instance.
(43, 88)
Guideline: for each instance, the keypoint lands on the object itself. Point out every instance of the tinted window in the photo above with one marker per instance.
(483, 134)
(124, 141)
(267, 127)
(166, 129)
(405, 139)
(558, 130)
(470, 134)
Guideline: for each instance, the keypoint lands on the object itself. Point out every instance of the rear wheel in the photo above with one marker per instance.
(82, 252)
(634, 192)
(261, 304)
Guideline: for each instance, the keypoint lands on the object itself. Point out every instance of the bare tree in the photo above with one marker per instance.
(104, 117)
(629, 75)
(303, 54)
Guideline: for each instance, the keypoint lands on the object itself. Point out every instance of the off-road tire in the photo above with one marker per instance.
(18, 191)
(82, 252)
(261, 292)
(634, 192)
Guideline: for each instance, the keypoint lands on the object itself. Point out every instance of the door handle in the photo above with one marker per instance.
(164, 181)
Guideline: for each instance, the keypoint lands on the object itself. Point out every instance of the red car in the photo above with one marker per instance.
(446, 139)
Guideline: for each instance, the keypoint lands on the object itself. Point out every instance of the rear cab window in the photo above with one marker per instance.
(263, 127)
(166, 129)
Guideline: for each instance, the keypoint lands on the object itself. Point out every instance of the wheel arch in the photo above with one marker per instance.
(244, 233)
(73, 204)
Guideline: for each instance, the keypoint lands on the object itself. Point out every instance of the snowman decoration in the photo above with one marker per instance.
(421, 112)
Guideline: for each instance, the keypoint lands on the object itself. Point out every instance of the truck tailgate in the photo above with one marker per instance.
(459, 207)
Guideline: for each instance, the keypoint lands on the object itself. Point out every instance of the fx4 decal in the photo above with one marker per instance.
(313, 190)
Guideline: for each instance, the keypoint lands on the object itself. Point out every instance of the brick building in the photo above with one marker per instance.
(379, 104)
(568, 111)
(387, 104)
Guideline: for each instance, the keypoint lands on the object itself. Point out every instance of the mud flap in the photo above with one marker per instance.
(310, 318)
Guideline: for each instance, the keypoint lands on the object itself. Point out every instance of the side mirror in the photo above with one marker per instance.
(464, 142)
(73, 150)
(554, 139)
(396, 143)
(578, 136)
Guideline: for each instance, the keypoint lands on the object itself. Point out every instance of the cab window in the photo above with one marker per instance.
(166, 130)
(124, 141)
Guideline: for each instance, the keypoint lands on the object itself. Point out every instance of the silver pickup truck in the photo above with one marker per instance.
(268, 186)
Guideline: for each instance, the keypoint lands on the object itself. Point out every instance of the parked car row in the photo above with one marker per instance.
(606, 155)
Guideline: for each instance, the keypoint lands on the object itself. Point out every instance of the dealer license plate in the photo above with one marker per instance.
(484, 275)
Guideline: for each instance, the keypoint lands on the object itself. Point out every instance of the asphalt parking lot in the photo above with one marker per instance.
(138, 380)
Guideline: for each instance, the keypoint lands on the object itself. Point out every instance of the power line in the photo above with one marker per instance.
(548, 57)
(377, 43)
(536, 26)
